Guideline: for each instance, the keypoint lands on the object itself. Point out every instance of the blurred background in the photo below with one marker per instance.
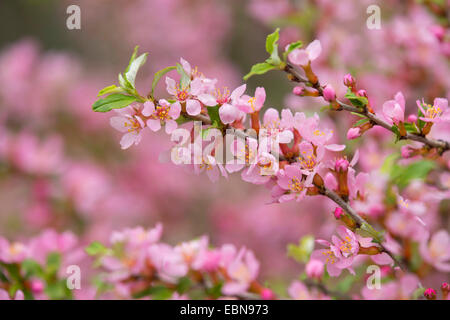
(61, 165)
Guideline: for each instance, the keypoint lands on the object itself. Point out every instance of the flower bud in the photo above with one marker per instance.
(338, 212)
(329, 94)
(362, 93)
(298, 91)
(430, 294)
(445, 287)
(314, 269)
(353, 133)
(267, 294)
(406, 152)
(341, 165)
(438, 31)
(349, 81)
(412, 118)
(37, 286)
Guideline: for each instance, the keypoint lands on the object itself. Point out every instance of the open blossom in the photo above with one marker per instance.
(242, 271)
(353, 133)
(394, 110)
(302, 57)
(398, 289)
(438, 112)
(436, 251)
(249, 104)
(212, 168)
(4, 295)
(12, 252)
(129, 122)
(192, 95)
(276, 127)
(292, 185)
(164, 113)
(299, 291)
(228, 111)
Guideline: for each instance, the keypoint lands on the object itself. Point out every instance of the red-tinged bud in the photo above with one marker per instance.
(445, 287)
(349, 81)
(353, 133)
(329, 94)
(341, 165)
(427, 128)
(430, 294)
(412, 118)
(338, 213)
(362, 93)
(298, 91)
(267, 294)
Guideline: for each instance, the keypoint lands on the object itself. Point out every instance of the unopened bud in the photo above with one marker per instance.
(338, 212)
(430, 294)
(329, 94)
(412, 118)
(362, 93)
(349, 81)
(353, 133)
(298, 91)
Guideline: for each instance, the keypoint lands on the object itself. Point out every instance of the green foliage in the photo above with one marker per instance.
(259, 68)
(213, 113)
(159, 75)
(302, 251)
(357, 101)
(95, 248)
(113, 101)
(156, 293)
(134, 65)
(110, 89)
(291, 47)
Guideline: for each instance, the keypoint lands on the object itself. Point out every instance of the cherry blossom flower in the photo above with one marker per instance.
(129, 122)
(228, 111)
(290, 179)
(436, 251)
(394, 110)
(242, 271)
(438, 112)
(249, 104)
(302, 57)
(274, 126)
(163, 114)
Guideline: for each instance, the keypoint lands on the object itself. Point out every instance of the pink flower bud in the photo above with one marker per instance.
(338, 212)
(430, 294)
(37, 286)
(349, 81)
(341, 165)
(445, 287)
(267, 294)
(412, 118)
(329, 94)
(314, 269)
(298, 91)
(362, 93)
(353, 133)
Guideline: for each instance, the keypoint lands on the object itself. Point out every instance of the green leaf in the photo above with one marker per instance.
(95, 248)
(110, 89)
(159, 75)
(360, 122)
(113, 101)
(366, 230)
(183, 285)
(156, 292)
(32, 268)
(259, 68)
(134, 65)
(185, 78)
(403, 175)
(302, 251)
(410, 127)
(271, 41)
(125, 84)
(213, 113)
(291, 47)
(357, 101)
(53, 263)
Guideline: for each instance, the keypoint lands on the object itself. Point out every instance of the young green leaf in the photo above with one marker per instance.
(134, 65)
(113, 101)
(357, 101)
(259, 68)
(159, 75)
(185, 78)
(271, 41)
(95, 248)
(110, 89)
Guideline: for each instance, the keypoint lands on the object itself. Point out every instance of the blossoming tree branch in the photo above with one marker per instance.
(297, 166)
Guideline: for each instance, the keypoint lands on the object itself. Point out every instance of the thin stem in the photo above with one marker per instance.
(358, 219)
(296, 76)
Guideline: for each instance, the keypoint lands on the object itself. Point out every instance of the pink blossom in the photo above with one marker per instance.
(249, 104)
(12, 252)
(314, 269)
(436, 251)
(291, 181)
(4, 295)
(241, 271)
(163, 114)
(302, 57)
(353, 133)
(228, 111)
(394, 110)
(130, 123)
(274, 126)
(438, 112)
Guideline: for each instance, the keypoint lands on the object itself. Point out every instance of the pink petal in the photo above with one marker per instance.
(193, 107)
